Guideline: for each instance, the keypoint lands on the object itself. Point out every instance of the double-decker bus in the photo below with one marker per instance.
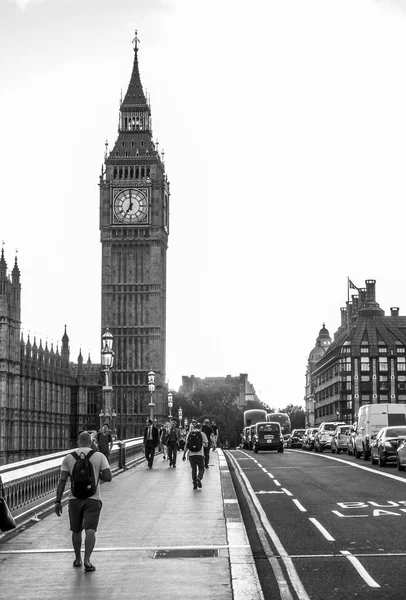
(281, 418)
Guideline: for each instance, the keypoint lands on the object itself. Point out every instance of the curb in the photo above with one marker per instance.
(244, 577)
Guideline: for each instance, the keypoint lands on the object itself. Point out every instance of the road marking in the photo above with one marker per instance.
(267, 492)
(360, 569)
(264, 470)
(276, 482)
(300, 506)
(287, 492)
(337, 512)
(261, 522)
(322, 529)
(271, 476)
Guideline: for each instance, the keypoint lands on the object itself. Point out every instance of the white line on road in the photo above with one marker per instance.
(287, 492)
(271, 476)
(262, 521)
(322, 529)
(300, 506)
(276, 482)
(360, 569)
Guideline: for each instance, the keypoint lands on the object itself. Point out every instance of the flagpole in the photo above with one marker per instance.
(348, 303)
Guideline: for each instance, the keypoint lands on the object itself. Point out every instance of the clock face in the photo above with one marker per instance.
(131, 206)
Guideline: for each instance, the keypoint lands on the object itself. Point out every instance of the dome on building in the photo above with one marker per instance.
(322, 343)
(324, 333)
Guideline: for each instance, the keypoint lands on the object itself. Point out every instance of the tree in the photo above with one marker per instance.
(296, 414)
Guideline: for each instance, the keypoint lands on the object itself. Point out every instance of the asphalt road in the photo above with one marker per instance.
(322, 526)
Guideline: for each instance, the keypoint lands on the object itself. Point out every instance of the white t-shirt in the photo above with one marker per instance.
(98, 461)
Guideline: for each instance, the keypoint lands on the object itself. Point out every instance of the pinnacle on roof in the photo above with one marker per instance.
(135, 96)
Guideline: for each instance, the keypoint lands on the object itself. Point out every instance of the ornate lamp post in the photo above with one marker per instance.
(151, 388)
(180, 416)
(170, 404)
(107, 360)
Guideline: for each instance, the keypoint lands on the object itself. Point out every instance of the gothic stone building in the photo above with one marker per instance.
(45, 399)
(364, 364)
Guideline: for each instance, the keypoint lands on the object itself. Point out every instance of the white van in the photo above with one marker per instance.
(371, 418)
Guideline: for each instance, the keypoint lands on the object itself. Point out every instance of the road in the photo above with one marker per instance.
(323, 526)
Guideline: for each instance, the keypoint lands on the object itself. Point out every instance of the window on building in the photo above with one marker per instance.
(383, 363)
(364, 350)
(364, 363)
(401, 363)
(383, 350)
(400, 350)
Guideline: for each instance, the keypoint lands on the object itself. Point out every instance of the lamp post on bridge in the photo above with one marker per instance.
(107, 361)
(151, 388)
(170, 404)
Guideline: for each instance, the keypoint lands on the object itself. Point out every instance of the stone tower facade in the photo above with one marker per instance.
(134, 226)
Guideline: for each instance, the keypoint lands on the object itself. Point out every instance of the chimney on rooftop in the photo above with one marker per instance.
(370, 293)
(394, 311)
(343, 316)
(361, 297)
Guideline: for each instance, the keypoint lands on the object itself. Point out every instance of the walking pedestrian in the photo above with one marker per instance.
(215, 434)
(209, 434)
(84, 513)
(172, 442)
(163, 436)
(104, 440)
(151, 441)
(196, 440)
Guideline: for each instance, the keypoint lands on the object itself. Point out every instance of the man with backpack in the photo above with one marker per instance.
(196, 441)
(85, 467)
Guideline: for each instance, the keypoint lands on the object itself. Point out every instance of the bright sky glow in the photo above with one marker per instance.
(284, 128)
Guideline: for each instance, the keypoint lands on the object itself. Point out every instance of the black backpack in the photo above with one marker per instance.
(83, 484)
(195, 441)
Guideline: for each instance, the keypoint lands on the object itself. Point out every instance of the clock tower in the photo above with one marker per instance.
(134, 226)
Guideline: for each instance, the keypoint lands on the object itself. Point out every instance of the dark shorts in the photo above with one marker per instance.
(84, 513)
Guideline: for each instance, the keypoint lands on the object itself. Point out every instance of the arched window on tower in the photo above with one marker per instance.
(133, 123)
(131, 172)
(142, 172)
(115, 173)
(148, 171)
(137, 172)
(120, 173)
(126, 173)
(125, 123)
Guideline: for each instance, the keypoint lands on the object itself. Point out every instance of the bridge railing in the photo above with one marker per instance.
(29, 486)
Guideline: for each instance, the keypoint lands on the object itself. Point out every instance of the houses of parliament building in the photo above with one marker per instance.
(45, 398)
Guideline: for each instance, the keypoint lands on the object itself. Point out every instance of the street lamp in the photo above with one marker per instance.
(107, 361)
(151, 388)
(338, 415)
(180, 416)
(170, 404)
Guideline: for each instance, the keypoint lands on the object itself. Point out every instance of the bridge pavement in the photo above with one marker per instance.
(157, 539)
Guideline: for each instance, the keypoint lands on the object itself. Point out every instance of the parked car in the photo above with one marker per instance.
(267, 436)
(340, 438)
(295, 438)
(384, 445)
(324, 435)
(308, 438)
(401, 456)
(351, 442)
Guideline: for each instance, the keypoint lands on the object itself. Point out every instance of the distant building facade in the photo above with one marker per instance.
(244, 390)
(364, 364)
(323, 342)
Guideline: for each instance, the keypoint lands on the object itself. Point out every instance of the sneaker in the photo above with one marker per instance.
(199, 483)
(195, 486)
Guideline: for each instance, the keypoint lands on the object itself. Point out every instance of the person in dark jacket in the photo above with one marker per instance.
(172, 441)
(209, 434)
(151, 441)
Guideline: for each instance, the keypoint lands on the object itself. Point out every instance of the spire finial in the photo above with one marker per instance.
(106, 143)
(136, 41)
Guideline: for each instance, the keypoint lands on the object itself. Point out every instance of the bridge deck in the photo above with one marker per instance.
(145, 512)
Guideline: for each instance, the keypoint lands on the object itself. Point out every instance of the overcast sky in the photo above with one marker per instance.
(284, 127)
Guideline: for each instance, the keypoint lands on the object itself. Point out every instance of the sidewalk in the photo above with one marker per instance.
(157, 538)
